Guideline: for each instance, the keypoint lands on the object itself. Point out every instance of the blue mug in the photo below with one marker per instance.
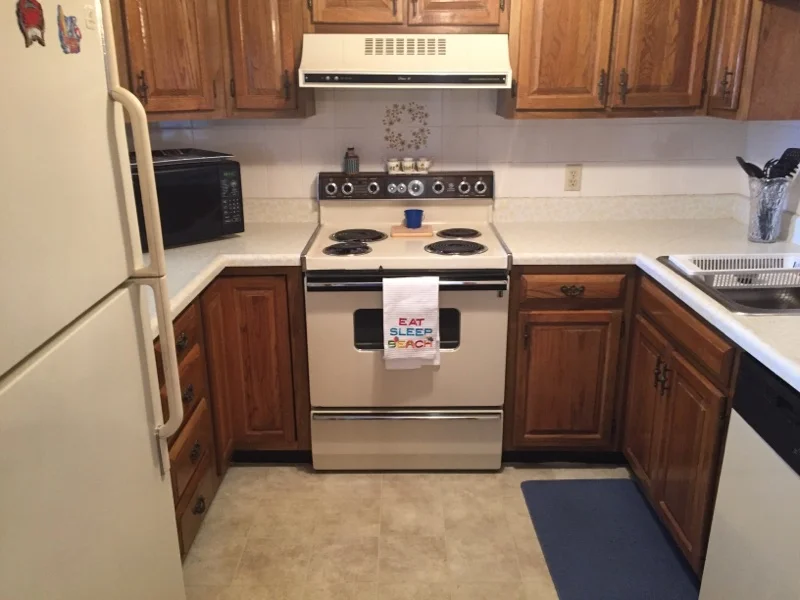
(414, 218)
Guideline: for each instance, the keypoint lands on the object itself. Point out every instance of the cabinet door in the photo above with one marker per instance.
(690, 454)
(262, 38)
(454, 12)
(565, 48)
(644, 405)
(358, 11)
(660, 54)
(171, 49)
(221, 368)
(566, 378)
(733, 21)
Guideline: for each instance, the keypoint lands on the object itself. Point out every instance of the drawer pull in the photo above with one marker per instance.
(182, 342)
(200, 506)
(188, 394)
(194, 455)
(573, 291)
(657, 372)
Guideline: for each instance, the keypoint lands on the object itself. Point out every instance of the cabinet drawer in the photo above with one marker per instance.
(188, 333)
(190, 448)
(193, 381)
(699, 341)
(192, 512)
(573, 287)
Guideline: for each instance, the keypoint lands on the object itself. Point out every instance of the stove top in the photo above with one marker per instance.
(347, 249)
(358, 235)
(456, 247)
(459, 232)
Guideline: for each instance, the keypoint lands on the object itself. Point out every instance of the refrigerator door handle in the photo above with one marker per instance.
(147, 181)
(169, 356)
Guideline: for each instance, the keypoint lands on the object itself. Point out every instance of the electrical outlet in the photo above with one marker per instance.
(572, 178)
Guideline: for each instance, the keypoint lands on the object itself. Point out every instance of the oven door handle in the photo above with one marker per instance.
(493, 416)
(376, 286)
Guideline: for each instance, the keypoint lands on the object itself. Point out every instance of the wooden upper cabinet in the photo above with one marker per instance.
(358, 11)
(565, 48)
(171, 50)
(263, 402)
(660, 53)
(727, 55)
(455, 12)
(691, 444)
(567, 363)
(263, 36)
(644, 404)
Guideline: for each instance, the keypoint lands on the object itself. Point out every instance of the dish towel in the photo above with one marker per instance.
(410, 322)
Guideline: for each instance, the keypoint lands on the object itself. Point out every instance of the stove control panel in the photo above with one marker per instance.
(381, 186)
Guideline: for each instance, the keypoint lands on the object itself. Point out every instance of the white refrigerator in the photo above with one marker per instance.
(86, 508)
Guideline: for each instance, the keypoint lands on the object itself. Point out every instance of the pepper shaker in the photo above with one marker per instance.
(351, 161)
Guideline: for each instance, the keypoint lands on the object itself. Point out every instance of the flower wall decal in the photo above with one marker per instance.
(406, 126)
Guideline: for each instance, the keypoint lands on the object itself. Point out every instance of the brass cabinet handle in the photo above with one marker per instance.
(188, 394)
(623, 86)
(142, 90)
(182, 342)
(194, 455)
(287, 84)
(573, 291)
(394, 8)
(414, 4)
(602, 86)
(657, 372)
(725, 83)
(665, 387)
(200, 506)
(502, 5)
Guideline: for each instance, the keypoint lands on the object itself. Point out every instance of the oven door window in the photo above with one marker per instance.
(368, 328)
(189, 204)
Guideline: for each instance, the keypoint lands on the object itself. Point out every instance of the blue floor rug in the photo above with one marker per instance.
(602, 542)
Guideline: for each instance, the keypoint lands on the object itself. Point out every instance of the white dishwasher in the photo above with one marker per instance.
(754, 550)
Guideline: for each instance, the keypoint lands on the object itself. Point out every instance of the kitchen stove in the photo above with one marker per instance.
(363, 415)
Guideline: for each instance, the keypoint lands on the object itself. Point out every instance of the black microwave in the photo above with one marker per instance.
(199, 196)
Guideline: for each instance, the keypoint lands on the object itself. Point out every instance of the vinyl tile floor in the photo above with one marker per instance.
(288, 533)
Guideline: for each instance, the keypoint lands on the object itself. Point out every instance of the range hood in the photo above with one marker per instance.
(350, 60)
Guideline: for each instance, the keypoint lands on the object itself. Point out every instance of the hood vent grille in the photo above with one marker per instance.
(404, 46)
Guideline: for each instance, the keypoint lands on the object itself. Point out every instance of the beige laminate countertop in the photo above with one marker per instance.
(191, 268)
(774, 340)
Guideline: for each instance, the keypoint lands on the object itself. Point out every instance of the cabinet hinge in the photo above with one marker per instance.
(233, 88)
(613, 425)
(705, 87)
(513, 88)
(526, 337)
(215, 89)
(502, 5)
(622, 328)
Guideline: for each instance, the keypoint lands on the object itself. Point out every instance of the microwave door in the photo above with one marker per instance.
(190, 204)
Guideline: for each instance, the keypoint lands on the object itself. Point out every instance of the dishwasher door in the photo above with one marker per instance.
(754, 549)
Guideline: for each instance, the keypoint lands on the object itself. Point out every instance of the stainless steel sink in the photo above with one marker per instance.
(752, 285)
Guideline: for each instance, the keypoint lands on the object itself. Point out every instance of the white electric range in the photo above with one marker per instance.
(364, 416)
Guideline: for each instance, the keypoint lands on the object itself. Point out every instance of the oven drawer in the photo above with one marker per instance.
(407, 439)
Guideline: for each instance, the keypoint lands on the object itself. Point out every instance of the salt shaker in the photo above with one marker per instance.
(351, 161)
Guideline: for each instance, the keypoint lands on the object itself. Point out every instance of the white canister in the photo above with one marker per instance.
(423, 165)
(393, 166)
(408, 165)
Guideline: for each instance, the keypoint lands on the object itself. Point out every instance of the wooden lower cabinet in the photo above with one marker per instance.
(676, 413)
(692, 431)
(255, 335)
(567, 373)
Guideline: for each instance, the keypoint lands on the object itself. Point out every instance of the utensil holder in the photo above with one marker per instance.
(768, 199)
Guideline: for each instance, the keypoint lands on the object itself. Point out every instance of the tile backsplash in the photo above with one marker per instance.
(459, 130)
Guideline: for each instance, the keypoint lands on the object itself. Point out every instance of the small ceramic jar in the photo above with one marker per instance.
(423, 165)
(408, 165)
(393, 166)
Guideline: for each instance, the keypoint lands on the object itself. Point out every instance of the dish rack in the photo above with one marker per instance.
(742, 270)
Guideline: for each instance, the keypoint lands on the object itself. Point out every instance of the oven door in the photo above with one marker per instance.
(345, 347)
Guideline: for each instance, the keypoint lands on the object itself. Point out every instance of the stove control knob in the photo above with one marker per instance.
(464, 187)
(391, 188)
(373, 187)
(480, 187)
(438, 187)
(331, 188)
(347, 188)
(401, 188)
(416, 188)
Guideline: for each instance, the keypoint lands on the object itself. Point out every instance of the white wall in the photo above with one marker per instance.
(768, 139)
(630, 157)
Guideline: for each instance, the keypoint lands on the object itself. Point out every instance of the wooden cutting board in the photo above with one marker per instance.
(403, 231)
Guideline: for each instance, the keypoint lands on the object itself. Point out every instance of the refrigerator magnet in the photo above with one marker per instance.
(69, 34)
(30, 18)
